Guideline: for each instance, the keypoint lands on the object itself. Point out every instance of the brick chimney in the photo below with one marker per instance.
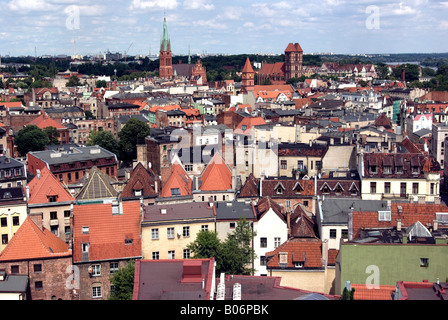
(37, 219)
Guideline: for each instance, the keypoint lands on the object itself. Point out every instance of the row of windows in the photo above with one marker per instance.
(172, 254)
(170, 232)
(300, 166)
(403, 187)
(264, 242)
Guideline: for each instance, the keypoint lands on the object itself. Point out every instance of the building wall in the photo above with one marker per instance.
(269, 226)
(385, 264)
(89, 280)
(9, 212)
(178, 243)
(54, 275)
(424, 189)
(291, 163)
(61, 226)
(317, 281)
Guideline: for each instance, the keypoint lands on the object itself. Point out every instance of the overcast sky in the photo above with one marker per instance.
(223, 27)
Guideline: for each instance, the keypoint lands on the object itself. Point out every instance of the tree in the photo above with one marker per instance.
(206, 245)
(52, 134)
(129, 135)
(104, 139)
(101, 84)
(73, 81)
(237, 249)
(123, 282)
(233, 256)
(31, 138)
(348, 295)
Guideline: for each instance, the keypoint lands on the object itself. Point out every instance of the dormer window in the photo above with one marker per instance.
(387, 169)
(52, 198)
(415, 170)
(338, 189)
(399, 169)
(298, 188)
(279, 188)
(373, 169)
(325, 189)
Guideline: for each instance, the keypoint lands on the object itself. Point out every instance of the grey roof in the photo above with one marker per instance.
(335, 210)
(14, 283)
(178, 211)
(7, 162)
(422, 132)
(234, 210)
(76, 154)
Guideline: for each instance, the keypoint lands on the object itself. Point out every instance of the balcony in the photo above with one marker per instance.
(54, 222)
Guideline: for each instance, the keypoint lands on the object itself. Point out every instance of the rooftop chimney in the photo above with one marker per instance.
(37, 219)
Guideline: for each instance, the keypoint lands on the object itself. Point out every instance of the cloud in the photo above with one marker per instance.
(153, 5)
(443, 25)
(198, 5)
(29, 5)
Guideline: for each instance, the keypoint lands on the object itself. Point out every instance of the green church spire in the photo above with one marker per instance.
(165, 43)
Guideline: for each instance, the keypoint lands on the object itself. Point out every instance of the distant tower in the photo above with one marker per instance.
(293, 61)
(199, 70)
(165, 56)
(248, 77)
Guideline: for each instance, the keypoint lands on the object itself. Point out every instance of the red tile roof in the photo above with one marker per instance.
(140, 179)
(31, 242)
(216, 176)
(308, 251)
(107, 231)
(410, 213)
(266, 203)
(47, 185)
(245, 126)
(380, 292)
(248, 67)
(293, 47)
(178, 179)
(44, 121)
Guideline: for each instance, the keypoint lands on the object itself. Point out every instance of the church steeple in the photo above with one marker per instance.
(165, 44)
(165, 56)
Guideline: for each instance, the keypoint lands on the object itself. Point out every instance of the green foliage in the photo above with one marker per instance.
(73, 81)
(129, 135)
(233, 256)
(31, 138)
(348, 295)
(88, 114)
(101, 84)
(123, 282)
(104, 139)
(52, 134)
(412, 72)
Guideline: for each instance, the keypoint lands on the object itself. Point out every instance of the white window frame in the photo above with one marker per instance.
(384, 215)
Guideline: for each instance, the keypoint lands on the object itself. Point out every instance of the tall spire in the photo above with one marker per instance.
(189, 56)
(165, 44)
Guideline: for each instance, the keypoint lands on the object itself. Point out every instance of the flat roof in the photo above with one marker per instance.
(75, 154)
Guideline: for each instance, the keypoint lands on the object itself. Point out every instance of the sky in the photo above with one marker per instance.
(53, 27)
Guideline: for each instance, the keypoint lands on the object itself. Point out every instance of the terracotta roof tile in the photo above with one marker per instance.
(140, 179)
(216, 176)
(47, 185)
(107, 232)
(178, 179)
(308, 251)
(44, 121)
(380, 292)
(31, 242)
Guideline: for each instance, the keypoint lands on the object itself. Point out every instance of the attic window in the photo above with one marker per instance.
(175, 192)
(298, 188)
(415, 170)
(399, 169)
(372, 169)
(353, 189)
(52, 198)
(138, 193)
(338, 189)
(424, 262)
(387, 169)
(279, 188)
(298, 264)
(384, 215)
(325, 189)
(7, 195)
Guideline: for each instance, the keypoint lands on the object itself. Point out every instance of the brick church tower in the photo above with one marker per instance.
(248, 77)
(293, 61)
(199, 70)
(165, 56)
